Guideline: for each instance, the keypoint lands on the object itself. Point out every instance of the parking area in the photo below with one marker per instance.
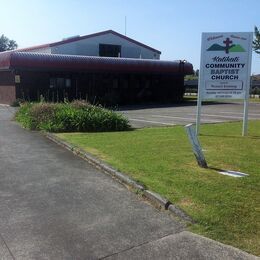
(169, 115)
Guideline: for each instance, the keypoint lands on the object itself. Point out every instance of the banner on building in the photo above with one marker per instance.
(225, 65)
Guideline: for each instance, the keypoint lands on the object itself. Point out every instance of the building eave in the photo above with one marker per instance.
(54, 44)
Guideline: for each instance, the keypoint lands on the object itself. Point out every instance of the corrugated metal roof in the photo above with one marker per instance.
(40, 61)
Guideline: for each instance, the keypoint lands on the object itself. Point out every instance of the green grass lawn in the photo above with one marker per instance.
(254, 100)
(225, 208)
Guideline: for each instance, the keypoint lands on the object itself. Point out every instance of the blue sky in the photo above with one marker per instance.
(172, 26)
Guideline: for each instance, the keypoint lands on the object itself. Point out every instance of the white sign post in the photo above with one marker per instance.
(225, 69)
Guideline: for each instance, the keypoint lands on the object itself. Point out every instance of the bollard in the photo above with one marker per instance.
(196, 146)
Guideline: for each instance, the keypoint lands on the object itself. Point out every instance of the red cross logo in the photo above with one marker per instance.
(227, 42)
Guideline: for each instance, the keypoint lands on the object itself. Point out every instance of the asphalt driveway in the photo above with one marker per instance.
(54, 205)
(168, 115)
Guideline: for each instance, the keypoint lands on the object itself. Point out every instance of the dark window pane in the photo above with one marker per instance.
(60, 82)
(109, 50)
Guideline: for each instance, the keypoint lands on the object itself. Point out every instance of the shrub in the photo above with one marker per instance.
(80, 104)
(17, 102)
(255, 91)
(78, 116)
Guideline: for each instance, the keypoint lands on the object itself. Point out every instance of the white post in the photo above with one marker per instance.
(198, 109)
(245, 117)
(248, 83)
(200, 89)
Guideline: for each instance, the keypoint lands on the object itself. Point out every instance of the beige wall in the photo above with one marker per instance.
(7, 94)
(7, 87)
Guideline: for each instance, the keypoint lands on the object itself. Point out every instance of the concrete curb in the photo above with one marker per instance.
(122, 178)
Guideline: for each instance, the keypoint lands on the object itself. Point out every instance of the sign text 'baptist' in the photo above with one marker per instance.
(224, 65)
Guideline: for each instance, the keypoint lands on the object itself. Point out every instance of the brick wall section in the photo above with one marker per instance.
(7, 94)
(6, 78)
(7, 87)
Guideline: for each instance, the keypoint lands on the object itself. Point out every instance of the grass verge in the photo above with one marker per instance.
(226, 209)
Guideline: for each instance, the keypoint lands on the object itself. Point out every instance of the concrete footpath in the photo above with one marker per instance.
(54, 205)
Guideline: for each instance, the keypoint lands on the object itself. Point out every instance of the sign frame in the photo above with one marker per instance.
(236, 66)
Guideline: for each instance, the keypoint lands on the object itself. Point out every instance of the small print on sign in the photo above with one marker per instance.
(224, 69)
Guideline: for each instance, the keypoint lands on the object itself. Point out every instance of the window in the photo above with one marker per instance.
(52, 83)
(109, 50)
(67, 83)
(60, 82)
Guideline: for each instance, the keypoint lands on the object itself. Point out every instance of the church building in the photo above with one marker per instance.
(105, 67)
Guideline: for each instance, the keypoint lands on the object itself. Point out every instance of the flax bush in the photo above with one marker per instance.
(78, 116)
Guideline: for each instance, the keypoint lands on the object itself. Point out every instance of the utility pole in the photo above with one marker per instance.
(125, 25)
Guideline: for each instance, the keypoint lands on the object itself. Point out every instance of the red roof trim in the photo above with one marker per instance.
(42, 46)
(5, 59)
(86, 37)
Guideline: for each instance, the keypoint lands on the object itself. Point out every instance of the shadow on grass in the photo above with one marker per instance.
(254, 137)
(216, 169)
(221, 136)
(231, 136)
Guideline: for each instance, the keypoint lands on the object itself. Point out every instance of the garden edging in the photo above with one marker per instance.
(122, 178)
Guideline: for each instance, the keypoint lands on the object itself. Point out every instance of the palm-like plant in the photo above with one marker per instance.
(256, 41)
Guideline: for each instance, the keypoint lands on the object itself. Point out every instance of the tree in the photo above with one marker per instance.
(256, 41)
(6, 44)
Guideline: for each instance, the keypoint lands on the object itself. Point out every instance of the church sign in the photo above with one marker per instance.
(225, 65)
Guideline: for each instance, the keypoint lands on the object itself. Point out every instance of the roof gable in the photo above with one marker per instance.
(87, 37)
